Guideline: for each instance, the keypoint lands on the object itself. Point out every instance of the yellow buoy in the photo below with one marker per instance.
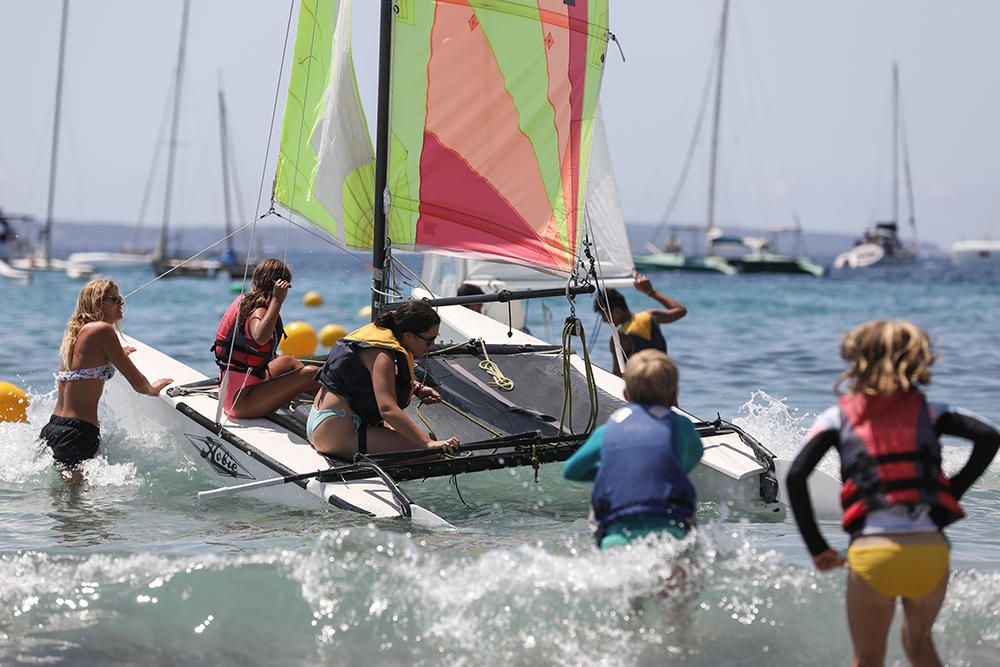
(330, 334)
(300, 341)
(13, 403)
(365, 311)
(312, 299)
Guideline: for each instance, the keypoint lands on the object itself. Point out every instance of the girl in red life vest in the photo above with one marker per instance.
(254, 380)
(895, 497)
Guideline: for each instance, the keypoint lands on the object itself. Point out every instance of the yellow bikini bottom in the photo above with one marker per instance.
(900, 570)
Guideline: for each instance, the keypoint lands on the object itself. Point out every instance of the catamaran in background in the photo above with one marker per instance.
(485, 121)
(750, 254)
(882, 245)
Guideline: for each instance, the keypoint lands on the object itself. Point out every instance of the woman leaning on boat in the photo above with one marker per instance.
(896, 498)
(368, 380)
(90, 353)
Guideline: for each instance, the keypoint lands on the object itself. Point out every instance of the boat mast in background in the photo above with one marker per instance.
(161, 249)
(900, 124)
(717, 117)
(224, 145)
(54, 159)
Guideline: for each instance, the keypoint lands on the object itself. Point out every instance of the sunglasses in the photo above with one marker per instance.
(117, 300)
(427, 339)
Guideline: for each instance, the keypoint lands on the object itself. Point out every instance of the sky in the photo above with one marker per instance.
(805, 129)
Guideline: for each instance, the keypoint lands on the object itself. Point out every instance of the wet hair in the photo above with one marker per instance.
(413, 317)
(651, 377)
(609, 298)
(886, 356)
(89, 308)
(468, 289)
(265, 275)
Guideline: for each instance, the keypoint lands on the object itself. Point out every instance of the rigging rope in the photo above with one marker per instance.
(574, 327)
(500, 380)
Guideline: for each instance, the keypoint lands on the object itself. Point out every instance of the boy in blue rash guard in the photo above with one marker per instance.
(640, 459)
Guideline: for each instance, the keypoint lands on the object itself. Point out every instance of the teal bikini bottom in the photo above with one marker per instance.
(317, 417)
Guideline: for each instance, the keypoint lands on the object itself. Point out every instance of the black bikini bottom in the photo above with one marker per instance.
(71, 440)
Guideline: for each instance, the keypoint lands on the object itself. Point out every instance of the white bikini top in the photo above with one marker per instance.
(105, 372)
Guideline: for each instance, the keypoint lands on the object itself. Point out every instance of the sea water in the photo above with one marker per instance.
(128, 567)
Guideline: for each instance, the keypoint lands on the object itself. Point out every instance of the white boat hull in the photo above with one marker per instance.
(105, 261)
(75, 270)
(242, 451)
(9, 272)
(976, 253)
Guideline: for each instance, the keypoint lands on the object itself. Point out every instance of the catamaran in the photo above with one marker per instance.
(753, 254)
(486, 117)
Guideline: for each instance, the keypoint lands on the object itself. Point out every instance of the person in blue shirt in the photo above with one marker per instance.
(640, 459)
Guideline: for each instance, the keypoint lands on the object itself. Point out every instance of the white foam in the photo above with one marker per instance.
(780, 428)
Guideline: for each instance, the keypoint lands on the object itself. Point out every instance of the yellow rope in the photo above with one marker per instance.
(500, 380)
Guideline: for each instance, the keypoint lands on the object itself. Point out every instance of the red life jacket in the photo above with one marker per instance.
(890, 455)
(247, 355)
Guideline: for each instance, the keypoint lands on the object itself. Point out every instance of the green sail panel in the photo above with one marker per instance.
(325, 169)
(491, 120)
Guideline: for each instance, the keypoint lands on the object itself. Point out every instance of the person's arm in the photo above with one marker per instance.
(673, 309)
(614, 357)
(985, 443)
(107, 338)
(586, 461)
(260, 325)
(805, 462)
(382, 367)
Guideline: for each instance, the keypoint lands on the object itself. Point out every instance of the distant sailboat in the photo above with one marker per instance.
(760, 259)
(231, 261)
(882, 244)
(164, 264)
(672, 257)
(41, 259)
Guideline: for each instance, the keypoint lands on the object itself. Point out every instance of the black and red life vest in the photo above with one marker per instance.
(890, 455)
(247, 356)
(345, 374)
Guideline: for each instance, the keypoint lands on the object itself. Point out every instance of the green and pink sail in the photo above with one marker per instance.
(492, 110)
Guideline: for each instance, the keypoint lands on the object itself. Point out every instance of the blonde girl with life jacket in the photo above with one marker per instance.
(895, 496)
(254, 380)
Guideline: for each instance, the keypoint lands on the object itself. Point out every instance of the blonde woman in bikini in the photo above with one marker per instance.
(89, 355)
(895, 497)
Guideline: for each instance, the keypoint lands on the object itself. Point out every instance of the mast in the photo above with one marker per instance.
(223, 140)
(906, 168)
(895, 143)
(713, 163)
(381, 155)
(53, 160)
(161, 250)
